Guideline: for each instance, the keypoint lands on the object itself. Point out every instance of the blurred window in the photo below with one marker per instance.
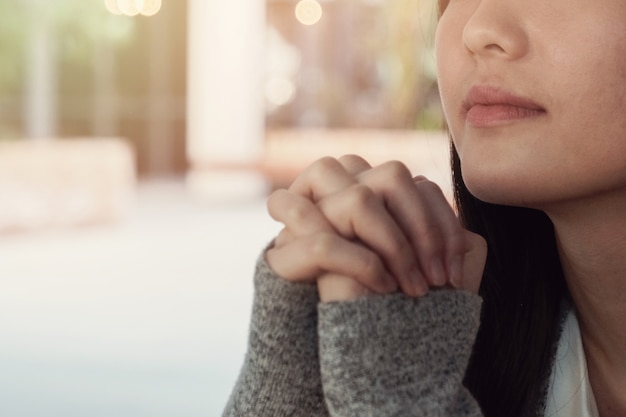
(351, 63)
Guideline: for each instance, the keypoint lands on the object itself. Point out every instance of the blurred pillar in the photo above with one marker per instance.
(160, 103)
(40, 104)
(225, 112)
(105, 113)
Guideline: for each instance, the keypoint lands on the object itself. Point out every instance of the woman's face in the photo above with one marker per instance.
(534, 93)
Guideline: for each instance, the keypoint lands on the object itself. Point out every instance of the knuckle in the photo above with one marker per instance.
(456, 241)
(475, 241)
(324, 164)
(319, 170)
(322, 245)
(352, 158)
(297, 213)
(286, 207)
(396, 171)
(429, 186)
(481, 243)
(273, 201)
(361, 196)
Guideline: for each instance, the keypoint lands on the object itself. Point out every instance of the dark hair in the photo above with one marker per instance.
(522, 291)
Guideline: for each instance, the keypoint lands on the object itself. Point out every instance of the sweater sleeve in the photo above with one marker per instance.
(280, 375)
(398, 356)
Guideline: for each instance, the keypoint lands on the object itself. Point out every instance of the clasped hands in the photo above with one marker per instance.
(358, 230)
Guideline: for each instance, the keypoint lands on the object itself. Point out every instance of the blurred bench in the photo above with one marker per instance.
(59, 183)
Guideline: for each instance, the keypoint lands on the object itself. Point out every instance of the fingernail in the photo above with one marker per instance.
(419, 283)
(437, 272)
(456, 271)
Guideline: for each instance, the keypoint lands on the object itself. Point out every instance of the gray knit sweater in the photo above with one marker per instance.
(379, 356)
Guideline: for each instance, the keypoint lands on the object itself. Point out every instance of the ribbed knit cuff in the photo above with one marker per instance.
(396, 355)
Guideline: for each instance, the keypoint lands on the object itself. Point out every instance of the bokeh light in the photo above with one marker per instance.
(279, 91)
(111, 6)
(308, 12)
(129, 7)
(150, 7)
(133, 7)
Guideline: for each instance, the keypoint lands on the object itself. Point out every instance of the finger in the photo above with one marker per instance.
(283, 238)
(422, 212)
(299, 214)
(451, 246)
(322, 178)
(474, 262)
(357, 213)
(306, 258)
(354, 164)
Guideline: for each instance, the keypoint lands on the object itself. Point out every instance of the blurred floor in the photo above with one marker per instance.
(143, 319)
(148, 318)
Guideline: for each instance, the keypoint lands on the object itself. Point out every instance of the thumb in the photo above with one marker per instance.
(474, 262)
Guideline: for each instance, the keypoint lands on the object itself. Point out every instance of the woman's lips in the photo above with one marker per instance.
(487, 106)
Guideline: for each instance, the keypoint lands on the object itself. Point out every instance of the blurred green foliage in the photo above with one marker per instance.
(77, 25)
(12, 41)
(409, 46)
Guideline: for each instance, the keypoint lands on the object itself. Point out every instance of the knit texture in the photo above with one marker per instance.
(382, 355)
(280, 376)
(399, 356)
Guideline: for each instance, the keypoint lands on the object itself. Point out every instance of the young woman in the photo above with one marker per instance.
(375, 300)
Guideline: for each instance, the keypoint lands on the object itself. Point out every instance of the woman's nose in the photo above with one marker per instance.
(496, 29)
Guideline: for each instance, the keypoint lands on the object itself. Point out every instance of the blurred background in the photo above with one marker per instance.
(138, 141)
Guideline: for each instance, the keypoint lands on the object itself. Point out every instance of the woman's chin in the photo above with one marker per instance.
(505, 193)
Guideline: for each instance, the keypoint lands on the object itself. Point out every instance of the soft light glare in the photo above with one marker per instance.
(150, 7)
(308, 12)
(133, 7)
(129, 7)
(111, 6)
